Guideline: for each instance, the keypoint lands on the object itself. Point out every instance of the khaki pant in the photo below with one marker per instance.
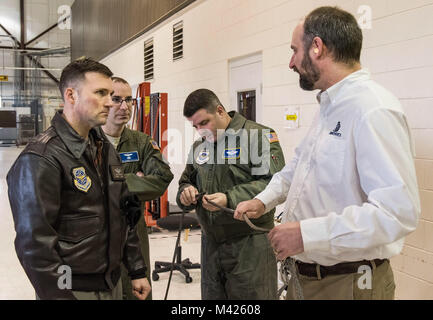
(115, 294)
(353, 286)
(241, 269)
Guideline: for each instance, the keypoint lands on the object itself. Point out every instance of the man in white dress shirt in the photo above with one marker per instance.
(350, 192)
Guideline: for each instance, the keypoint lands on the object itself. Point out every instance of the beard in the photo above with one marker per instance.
(308, 79)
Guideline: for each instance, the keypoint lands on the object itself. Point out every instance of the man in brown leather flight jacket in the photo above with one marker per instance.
(67, 193)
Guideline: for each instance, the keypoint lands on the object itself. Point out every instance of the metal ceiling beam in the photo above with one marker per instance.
(10, 35)
(23, 45)
(24, 50)
(22, 25)
(46, 31)
(49, 74)
(62, 50)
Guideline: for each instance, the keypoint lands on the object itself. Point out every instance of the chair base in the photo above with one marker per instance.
(179, 265)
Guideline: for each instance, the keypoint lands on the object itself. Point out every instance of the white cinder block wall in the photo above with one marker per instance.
(397, 50)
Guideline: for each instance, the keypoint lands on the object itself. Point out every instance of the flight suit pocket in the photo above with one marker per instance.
(330, 161)
(76, 229)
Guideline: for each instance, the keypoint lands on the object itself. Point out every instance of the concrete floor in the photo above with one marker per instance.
(14, 284)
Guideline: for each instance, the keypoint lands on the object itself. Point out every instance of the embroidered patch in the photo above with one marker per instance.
(203, 157)
(117, 173)
(129, 156)
(234, 153)
(272, 137)
(154, 145)
(81, 180)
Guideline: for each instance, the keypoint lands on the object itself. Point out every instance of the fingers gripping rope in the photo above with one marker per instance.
(287, 266)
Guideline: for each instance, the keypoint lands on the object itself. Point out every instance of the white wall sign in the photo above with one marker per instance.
(291, 118)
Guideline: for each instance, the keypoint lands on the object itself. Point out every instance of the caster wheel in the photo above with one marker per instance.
(155, 276)
(188, 279)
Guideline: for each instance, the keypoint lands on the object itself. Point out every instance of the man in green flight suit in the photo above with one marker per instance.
(146, 173)
(234, 161)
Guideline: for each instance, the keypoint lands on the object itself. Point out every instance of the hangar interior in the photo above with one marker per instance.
(240, 49)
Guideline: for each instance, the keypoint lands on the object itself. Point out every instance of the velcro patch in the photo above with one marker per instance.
(129, 156)
(81, 180)
(233, 153)
(272, 137)
(155, 145)
(117, 173)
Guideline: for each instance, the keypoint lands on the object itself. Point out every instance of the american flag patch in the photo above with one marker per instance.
(272, 137)
(154, 145)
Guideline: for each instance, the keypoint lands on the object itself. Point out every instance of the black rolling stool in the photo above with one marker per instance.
(177, 222)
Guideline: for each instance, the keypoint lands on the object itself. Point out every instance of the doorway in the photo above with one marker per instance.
(246, 86)
(247, 104)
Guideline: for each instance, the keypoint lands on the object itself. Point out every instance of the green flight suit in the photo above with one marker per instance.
(140, 153)
(237, 261)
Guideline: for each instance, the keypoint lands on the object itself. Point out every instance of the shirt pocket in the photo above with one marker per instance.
(330, 161)
(77, 229)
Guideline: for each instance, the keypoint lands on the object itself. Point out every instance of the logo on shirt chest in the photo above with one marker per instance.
(335, 131)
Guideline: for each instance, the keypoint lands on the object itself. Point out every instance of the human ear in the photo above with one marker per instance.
(70, 95)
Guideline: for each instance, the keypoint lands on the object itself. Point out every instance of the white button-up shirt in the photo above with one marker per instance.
(352, 182)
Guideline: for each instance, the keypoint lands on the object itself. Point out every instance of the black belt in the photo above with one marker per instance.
(315, 270)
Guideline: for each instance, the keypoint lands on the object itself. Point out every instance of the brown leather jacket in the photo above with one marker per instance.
(68, 213)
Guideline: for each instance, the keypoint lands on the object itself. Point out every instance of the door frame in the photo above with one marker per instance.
(234, 89)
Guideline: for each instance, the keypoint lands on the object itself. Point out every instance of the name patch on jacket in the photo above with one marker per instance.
(129, 156)
(81, 180)
(117, 173)
(233, 153)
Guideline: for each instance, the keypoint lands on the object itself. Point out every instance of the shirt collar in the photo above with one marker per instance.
(125, 136)
(330, 95)
(237, 122)
(72, 140)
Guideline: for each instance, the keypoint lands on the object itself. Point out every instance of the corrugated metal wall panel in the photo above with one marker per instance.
(102, 26)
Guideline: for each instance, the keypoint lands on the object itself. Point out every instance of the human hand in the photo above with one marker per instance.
(286, 239)
(252, 208)
(140, 174)
(218, 198)
(141, 288)
(188, 196)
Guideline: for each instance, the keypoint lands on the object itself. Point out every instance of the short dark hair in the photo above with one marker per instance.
(201, 99)
(338, 30)
(76, 71)
(119, 79)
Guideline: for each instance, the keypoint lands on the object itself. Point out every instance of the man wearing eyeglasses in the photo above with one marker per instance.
(147, 174)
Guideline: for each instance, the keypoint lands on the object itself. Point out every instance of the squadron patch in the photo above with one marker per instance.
(81, 180)
(203, 157)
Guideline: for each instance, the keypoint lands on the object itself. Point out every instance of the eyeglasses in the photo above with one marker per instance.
(118, 101)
